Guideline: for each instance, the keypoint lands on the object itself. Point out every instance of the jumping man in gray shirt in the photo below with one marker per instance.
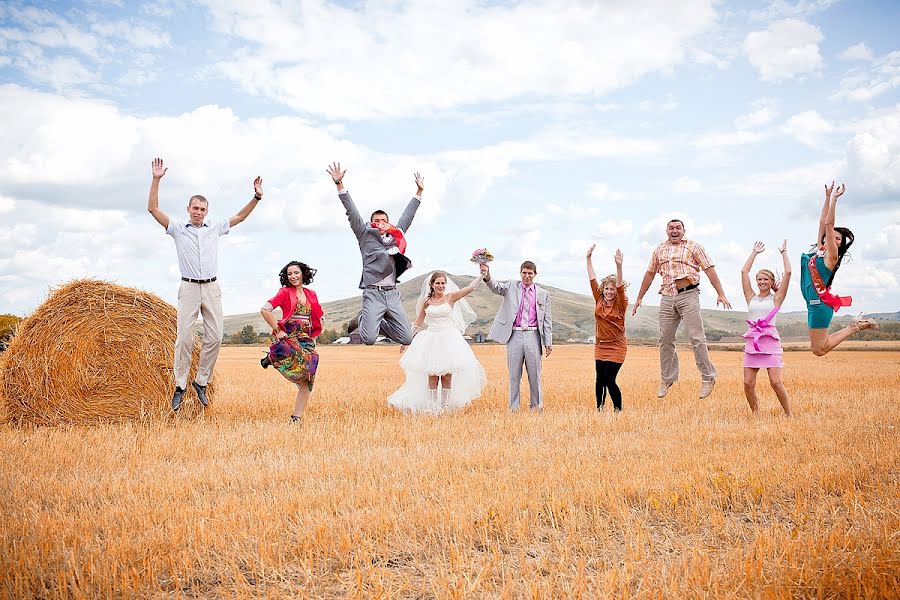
(381, 246)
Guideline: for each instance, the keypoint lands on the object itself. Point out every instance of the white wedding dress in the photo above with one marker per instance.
(437, 350)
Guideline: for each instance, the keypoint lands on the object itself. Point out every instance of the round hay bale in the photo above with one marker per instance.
(95, 352)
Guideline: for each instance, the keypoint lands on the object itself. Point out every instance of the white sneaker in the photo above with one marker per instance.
(706, 388)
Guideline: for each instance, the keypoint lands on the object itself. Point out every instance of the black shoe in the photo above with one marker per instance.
(353, 325)
(295, 419)
(201, 393)
(176, 398)
(265, 362)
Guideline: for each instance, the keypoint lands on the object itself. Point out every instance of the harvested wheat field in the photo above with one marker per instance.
(673, 498)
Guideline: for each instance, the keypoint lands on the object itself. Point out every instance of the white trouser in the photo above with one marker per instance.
(194, 299)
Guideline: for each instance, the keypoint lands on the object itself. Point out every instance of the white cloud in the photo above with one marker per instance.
(613, 228)
(7, 204)
(873, 157)
(865, 84)
(809, 128)
(687, 185)
(412, 59)
(884, 246)
(703, 57)
(857, 52)
(777, 9)
(138, 36)
(728, 139)
(41, 27)
(786, 49)
(764, 112)
(599, 190)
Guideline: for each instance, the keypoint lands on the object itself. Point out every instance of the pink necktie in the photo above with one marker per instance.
(526, 307)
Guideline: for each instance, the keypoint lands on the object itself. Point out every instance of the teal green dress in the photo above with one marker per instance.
(818, 314)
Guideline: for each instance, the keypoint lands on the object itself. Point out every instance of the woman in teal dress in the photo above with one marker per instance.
(817, 270)
(294, 351)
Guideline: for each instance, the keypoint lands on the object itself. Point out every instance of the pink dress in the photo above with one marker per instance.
(762, 349)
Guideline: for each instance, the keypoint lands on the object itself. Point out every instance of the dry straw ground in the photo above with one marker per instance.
(674, 498)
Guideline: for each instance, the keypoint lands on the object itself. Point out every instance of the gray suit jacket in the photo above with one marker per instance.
(376, 262)
(502, 328)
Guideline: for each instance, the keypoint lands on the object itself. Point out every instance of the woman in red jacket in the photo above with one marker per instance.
(294, 351)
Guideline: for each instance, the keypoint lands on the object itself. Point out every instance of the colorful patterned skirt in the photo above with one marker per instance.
(295, 356)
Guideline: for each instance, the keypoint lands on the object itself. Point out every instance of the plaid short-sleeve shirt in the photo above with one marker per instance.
(679, 261)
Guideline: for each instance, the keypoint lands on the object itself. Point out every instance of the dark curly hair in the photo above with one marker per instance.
(307, 272)
(847, 239)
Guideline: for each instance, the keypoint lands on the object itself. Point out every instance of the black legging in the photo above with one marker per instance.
(606, 379)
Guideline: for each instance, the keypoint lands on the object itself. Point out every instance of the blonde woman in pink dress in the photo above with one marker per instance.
(762, 349)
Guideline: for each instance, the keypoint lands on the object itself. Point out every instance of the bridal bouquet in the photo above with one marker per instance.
(481, 256)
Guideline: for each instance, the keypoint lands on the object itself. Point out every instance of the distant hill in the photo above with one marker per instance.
(894, 316)
(573, 314)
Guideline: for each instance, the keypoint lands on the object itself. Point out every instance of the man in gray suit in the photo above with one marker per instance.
(524, 323)
(381, 246)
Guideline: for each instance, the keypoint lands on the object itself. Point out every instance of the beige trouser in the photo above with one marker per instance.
(672, 311)
(194, 299)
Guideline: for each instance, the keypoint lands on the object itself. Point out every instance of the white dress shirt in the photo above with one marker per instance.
(198, 247)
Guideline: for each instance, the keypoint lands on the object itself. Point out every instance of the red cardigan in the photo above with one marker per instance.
(286, 298)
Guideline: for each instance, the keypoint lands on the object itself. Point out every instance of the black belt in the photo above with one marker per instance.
(189, 280)
(383, 288)
(687, 288)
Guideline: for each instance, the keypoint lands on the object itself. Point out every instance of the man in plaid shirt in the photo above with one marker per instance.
(680, 261)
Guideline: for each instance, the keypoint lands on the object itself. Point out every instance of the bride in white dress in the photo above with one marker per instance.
(439, 353)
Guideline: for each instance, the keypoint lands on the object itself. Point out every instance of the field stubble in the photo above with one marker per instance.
(672, 498)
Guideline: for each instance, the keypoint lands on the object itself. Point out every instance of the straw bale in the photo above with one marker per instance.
(95, 352)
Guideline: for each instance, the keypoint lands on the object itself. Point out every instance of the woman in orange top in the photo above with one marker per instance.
(610, 345)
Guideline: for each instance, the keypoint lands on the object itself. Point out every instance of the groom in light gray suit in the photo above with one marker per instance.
(524, 323)
(381, 246)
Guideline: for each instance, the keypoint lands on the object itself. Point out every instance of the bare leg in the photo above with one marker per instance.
(822, 343)
(303, 393)
(433, 381)
(750, 388)
(780, 390)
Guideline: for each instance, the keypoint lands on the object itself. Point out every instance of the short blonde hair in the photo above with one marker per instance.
(611, 279)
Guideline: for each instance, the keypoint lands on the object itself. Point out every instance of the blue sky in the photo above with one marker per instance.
(540, 128)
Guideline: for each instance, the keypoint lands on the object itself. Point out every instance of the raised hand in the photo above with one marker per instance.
(759, 248)
(420, 182)
(783, 248)
(158, 169)
(838, 192)
(591, 250)
(337, 175)
(828, 191)
(257, 187)
(618, 258)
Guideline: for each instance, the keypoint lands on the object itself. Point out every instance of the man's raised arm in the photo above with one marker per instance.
(248, 208)
(407, 217)
(153, 201)
(356, 221)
